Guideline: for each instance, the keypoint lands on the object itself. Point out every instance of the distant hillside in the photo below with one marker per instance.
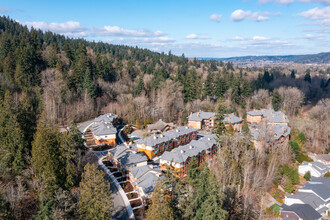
(320, 58)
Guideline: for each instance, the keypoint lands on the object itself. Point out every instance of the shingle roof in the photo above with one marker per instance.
(166, 136)
(232, 119)
(199, 116)
(304, 211)
(106, 118)
(320, 189)
(159, 125)
(138, 172)
(117, 151)
(320, 167)
(148, 182)
(100, 128)
(269, 131)
(270, 115)
(180, 154)
(307, 198)
(130, 158)
(323, 180)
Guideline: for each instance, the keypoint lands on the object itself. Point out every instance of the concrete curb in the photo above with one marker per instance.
(120, 189)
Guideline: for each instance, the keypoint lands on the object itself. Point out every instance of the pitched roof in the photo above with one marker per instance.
(307, 198)
(138, 172)
(148, 182)
(270, 115)
(304, 211)
(166, 136)
(232, 119)
(159, 125)
(318, 188)
(106, 118)
(320, 167)
(130, 158)
(180, 154)
(269, 131)
(101, 128)
(199, 116)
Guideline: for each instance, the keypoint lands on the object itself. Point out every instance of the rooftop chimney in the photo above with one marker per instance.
(190, 146)
(177, 130)
(186, 127)
(155, 137)
(197, 114)
(161, 135)
(209, 139)
(182, 151)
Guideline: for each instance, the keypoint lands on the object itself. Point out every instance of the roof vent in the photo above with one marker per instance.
(190, 146)
(186, 127)
(108, 126)
(177, 130)
(182, 151)
(155, 137)
(161, 135)
(209, 139)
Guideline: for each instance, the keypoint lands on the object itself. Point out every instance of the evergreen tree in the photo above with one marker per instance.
(220, 87)
(139, 87)
(46, 211)
(208, 86)
(293, 74)
(47, 160)
(307, 77)
(189, 89)
(95, 195)
(276, 101)
(246, 89)
(236, 92)
(88, 84)
(12, 142)
(72, 149)
(160, 207)
(245, 128)
(219, 127)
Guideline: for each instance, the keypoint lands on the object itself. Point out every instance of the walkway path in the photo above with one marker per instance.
(122, 207)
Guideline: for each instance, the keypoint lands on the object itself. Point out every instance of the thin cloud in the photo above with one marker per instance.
(138, 40)
(240, 15)
(283, 2)
(121, 32)
(237, 38)
(195, 36)
(325, 2)
(314, 37)
(216, 17)
(3, 10)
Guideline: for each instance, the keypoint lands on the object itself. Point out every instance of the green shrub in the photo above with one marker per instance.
(327, 174)
(289, 187)
(292, 173)
(276, 208)
(307, 175)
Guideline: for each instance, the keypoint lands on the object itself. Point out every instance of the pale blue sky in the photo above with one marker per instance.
(209, 28)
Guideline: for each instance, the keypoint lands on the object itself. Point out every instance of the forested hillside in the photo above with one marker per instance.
(48, 80)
